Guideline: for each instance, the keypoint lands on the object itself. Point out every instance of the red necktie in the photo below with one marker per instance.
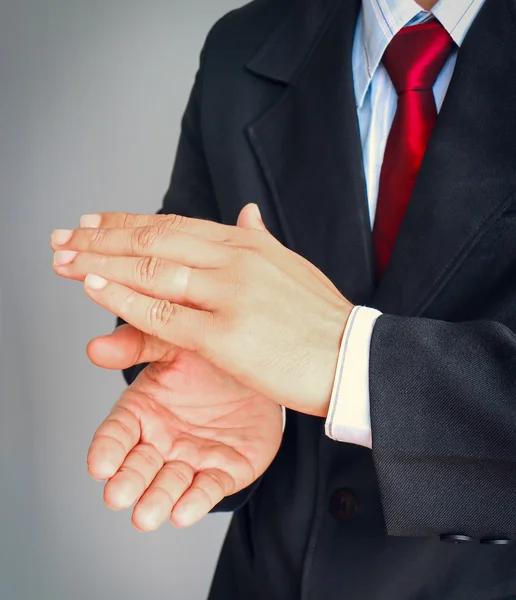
(413, 59)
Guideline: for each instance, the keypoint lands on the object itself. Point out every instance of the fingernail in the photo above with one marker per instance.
(90, 220)
(64, 257)
(95, 282)
(61, 236)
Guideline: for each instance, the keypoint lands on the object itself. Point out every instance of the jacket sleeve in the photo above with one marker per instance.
(191, 194)
(443, 416)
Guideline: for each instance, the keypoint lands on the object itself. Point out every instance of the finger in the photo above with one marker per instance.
(179, 325)
(133, 478)
(126, 347)
(250, 218)
(182, 248)
(157, 502)
(157, 277)
(112, 442)
(177, 223)
(209, 487)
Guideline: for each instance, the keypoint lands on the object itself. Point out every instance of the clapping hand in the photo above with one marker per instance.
(233, 324)
(236, 296)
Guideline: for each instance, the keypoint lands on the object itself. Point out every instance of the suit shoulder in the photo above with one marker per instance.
(243, 30)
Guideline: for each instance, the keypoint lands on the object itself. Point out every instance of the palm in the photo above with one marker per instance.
(181, 437)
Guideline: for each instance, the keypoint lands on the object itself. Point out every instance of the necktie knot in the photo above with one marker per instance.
(416, 56)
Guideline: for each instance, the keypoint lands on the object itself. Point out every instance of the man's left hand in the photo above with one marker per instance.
(238, 297)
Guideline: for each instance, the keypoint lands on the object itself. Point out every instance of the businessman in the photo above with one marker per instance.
(321, 322)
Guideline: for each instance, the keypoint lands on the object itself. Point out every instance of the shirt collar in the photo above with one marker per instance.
(380, 21)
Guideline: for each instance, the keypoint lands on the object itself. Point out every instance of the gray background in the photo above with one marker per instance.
(91, 94)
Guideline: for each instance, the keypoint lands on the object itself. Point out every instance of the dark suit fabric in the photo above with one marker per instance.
(272, 120)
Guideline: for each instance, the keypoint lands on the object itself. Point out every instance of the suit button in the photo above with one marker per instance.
(450, 538)
(343, 505)
(495, 542)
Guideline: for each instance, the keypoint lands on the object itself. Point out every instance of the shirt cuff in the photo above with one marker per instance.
(349, 416)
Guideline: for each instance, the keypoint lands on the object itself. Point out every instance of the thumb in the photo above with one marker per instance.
(127, 346)
(250, 218)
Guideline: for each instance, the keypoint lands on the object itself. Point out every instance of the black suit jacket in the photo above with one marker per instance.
(272, 120)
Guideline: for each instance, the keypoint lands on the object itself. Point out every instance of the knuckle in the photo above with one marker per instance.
(134, 472)
(161, 314)
(98, 237)
(165, 492)
(184, 473)
(127, 221)
(176, 222)
(150, 458)
(145, 237)
(148, 269)
(111, 424)
(217, 480)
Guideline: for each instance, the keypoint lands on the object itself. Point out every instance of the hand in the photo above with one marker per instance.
(183, 435)
(237, 297)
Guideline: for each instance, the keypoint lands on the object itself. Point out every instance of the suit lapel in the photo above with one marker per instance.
(308, 143)
(468, 176)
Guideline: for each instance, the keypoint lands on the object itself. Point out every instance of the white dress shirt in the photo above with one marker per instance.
(379, 21)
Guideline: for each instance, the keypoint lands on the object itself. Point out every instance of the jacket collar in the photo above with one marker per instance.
(308, 146)
(282, 56)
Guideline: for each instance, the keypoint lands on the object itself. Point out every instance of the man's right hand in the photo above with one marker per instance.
(183, 436)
